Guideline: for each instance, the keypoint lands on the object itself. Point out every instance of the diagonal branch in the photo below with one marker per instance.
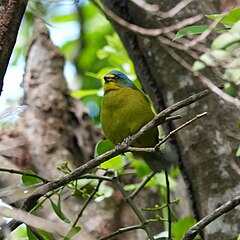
(195, 229)
(31, 201)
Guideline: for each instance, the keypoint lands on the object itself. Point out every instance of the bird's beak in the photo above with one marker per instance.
(109, 77)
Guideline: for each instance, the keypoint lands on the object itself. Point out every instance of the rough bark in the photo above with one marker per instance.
(11, 13)
(206, 150)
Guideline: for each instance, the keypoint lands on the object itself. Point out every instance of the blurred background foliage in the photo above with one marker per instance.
(87, 40)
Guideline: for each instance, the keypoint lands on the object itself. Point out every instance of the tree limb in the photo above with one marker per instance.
(195, 229)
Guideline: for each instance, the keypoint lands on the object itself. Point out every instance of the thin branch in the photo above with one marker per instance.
(121, 231)
(157, 208)
(87, 203)
(44, 180)
(168, 206)
(181, 127)
(199, 226)
(146, 6)
(175, 10)
(130, 201)
(154, 149)
(142, 185)
(145, 31)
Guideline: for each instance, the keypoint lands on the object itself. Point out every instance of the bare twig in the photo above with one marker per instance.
(121, 231)
(157, 208)
(145, 31)
(87, 202)
(130, 201)
(180, 127)
(142, 185)
(135, 149)
(44, 180)
(146, 6)
(199, 226)
(175, 10)
(168, 206)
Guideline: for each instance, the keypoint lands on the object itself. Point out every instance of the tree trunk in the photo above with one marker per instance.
(206, 149)
(11, 13)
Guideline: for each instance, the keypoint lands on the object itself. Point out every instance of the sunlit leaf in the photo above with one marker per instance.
(238, 152)
(104, 146)
(180, 227)
(104, 192)
(225, 40)
(229, 19)
(141, 167)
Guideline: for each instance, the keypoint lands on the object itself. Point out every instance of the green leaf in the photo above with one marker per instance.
(238, 237)
(160, 180)
(238, 152)
(103, 146)
(31, 235)
(142, 169)
(72, 233)
(131, 187)
(180, 228)
(194, 30)
(238, 126)
(30, 180)
(225, 39)
(191, 30)
(230, 18)
(59, 212)
(230, 89)
(104, 192)
(113, 163)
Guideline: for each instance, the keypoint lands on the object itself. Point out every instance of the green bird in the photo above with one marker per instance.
(125, 109)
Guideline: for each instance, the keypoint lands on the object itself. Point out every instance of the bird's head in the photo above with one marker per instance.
(115, 80)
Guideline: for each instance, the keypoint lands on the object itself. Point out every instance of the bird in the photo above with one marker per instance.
(125, 110)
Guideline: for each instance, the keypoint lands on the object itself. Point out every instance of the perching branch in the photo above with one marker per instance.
(31, 201)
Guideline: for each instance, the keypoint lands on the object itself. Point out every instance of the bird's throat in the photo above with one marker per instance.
(108, 86)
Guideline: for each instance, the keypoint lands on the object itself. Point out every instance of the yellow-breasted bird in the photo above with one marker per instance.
(125, 109)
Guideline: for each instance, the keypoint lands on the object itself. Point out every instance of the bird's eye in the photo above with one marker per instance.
(116, 77)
